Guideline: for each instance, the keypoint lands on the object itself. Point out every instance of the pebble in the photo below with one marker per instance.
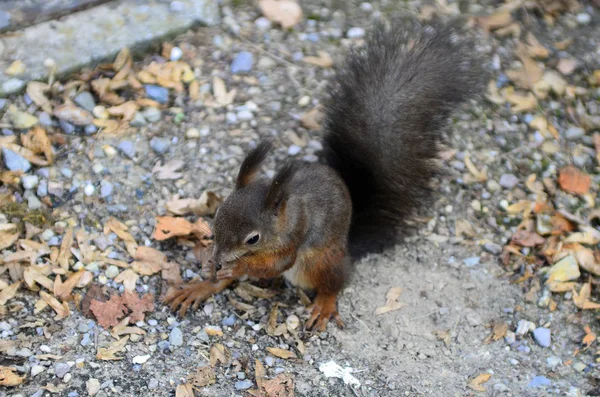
(294, 150)
(176, 6)
(263, 23)
(269, 361)
(160, 145)
(164, 345)
(242, 62)
(176, 54)
(5, 18)
(553, 361)
(493, 248)
(152, 384)
(86, 340)
(56, 189)
(90, 129)
(158, 93)
(33, 203)
(45, 119)
(89, 189)
(85, 100)
(61, 369)
(539, 381)
(245, 115)
(141, 359)
(583, 18)
(92, 386)
(127, 148)
(229, 321)
(192, 133)
(524, 326)
(106, 188)
(37, 369)
(176, 337)
(542, 336)
(152, 115)
(355, 33)
(30, 181)
(574, 133)
(510, 337)
(138, 120)
(508, 181)
(566, 269)
(14, 161)
(243, 384)
(579, 366)
(112, 271)
(473, 261)
(12, 86)
(67, 127)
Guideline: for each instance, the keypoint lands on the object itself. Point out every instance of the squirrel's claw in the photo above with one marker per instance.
(321, 311)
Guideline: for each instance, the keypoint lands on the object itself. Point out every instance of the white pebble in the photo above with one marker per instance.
(176, 53)
(30, 181)
(89, 189)
(141, 359)
(355, 33)
(112, 271)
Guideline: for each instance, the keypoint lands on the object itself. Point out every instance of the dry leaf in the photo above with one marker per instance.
(109, 353)
(123, 329)
(582, 299)
(171, 273)
(324, 60)
(36, 91)
(280, 386)
(168, 227)
(63, 290)
(500, 18)
(61, 309)
(272, 321)
(218, 354)
(184, 390)
(589, 337)
(281, 353)
(37, 141)
(9, 292)
(255, 291)
(529, 74)
(34, 274)
(7, 238)
(391, 301)
(573, 180)
(129, 278)
(498, 332)
(287, 13)
(125, 110)
(169, 170)
(207, 204)
(567, 66)
(586, 235)
(493, 94)
(138, 305)
(9, 378)
(312, 119)
(24, 152)
(73, 114)
(118, 228)
(220, 93)
(203, 376)
(476, 383)
(444, 336)
(480, 176)
(522, 103)
(464, 228)
(585, 258)
(109, 313)
(534, 48)
(65, 250)
(527, 239)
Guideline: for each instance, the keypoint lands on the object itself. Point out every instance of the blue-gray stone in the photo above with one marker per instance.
(61, 369)
(67, 127)
(156, 92)
(164, 345)
(85, 100)
(508, 181)
(127, 148)
(242, 62)
(106, 188)
(539, 381)
(542, 336)
(160, 145)
(7, 132)
(176, 337)
(152, 115)
(90, 129)
(229, 321)
(472, 261)
(86, 340)
(243, 385)
(269, 361)
(14, 161)
(45, 119)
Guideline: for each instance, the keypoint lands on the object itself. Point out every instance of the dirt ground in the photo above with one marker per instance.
(454, 288)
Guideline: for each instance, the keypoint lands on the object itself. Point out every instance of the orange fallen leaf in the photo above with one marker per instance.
(281, 353)
(168, 227)
(218, 354)
(476, 383)
(110, 312)
(37, 141)
(63, 290)
(207, 204)
(582, 298)
(498, 332)
(109, 353)
(527, 239)
(573, 180)
(138, 305)
(9, 378)
(589, 337)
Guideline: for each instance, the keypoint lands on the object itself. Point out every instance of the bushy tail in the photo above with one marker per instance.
(387, 117)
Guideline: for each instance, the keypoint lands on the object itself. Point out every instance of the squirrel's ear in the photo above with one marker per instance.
(279, 187)
(251, 163)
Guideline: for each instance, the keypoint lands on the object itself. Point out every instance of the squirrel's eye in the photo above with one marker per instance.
(253, 239)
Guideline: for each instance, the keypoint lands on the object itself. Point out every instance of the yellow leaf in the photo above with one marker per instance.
(9, 292)
(9, 378)
(109, 353)
(476, 383)
(391, 301)
(281, 353)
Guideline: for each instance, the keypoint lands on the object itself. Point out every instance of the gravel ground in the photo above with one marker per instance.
(454, 288)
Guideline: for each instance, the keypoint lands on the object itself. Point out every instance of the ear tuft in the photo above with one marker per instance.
(280, 183)
(251, 164)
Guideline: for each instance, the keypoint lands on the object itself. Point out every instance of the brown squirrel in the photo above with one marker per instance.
(384, 123)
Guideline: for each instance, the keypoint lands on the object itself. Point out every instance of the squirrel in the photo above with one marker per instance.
(384, 124)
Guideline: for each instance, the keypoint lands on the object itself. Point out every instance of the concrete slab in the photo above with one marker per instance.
(96, 35)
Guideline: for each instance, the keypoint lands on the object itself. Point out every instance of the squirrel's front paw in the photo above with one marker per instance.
(209, 269)
(231, 270)
(323, 308)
